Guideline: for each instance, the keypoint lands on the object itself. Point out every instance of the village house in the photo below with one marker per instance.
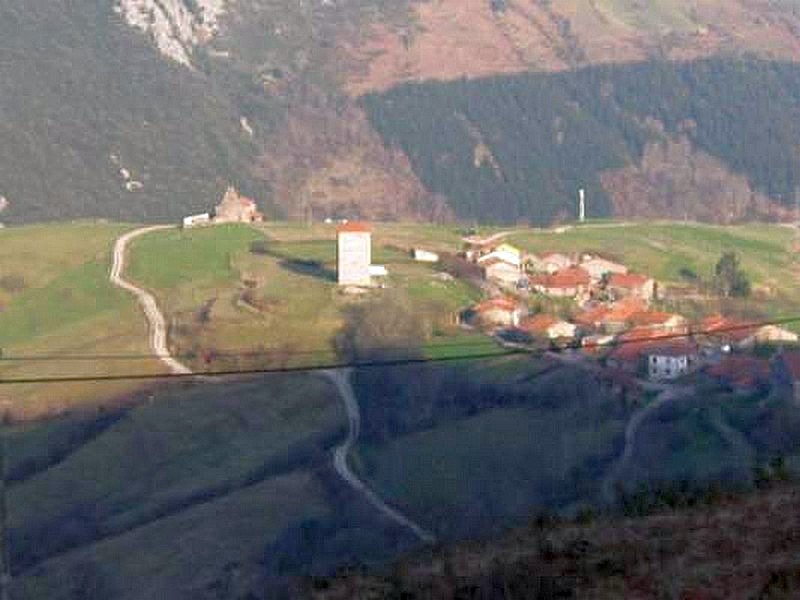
(661, 360)
(785, 374)
(550, 263)
(504, 252)
(670, 361)
(725, 332)
(664, 322)
(610, 319)
(475, 247)
(235, 208)
(548, 326)
(496, 312)
(632, 285)
(572, 282)
(740, 373)
(599, 267)
(501, 272)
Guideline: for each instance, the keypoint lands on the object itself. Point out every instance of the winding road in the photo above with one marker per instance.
(670, 394)
(155, 318)
(341, 379)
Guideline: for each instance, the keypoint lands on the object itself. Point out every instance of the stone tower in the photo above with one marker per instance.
(353, 254)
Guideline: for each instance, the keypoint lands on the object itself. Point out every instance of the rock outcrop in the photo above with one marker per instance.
(176, 26)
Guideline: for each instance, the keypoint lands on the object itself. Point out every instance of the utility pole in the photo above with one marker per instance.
(5, 567)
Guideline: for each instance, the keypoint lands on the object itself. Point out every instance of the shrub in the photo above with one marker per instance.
(12, 283)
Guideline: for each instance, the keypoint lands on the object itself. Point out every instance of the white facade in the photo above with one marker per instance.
(500, 254)
(425, 256)
(665, 367)
(353, 258)
(195, 220)
(503, 272)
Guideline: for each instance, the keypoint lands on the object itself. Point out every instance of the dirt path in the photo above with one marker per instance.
(734, 438)
(155, 319)
(670, 394)
(341, 379)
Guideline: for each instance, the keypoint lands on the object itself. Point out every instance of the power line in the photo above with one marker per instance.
(289, 352)
(218, 354)
(263, 371)
(394, 362)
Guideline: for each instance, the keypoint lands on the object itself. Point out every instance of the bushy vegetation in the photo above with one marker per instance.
(519, 147)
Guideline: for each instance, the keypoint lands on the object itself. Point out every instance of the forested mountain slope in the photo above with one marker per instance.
(146, 110)
(714, 140)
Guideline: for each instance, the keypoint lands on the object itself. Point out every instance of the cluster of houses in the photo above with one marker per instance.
(614, 318)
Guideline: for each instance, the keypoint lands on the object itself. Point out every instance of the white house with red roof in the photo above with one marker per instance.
(628, 285)
(549, 326)
(572, 282)
(550, 262)
(498, 312)
(600, 267)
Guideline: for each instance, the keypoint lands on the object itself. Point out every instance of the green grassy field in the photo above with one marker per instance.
(66, 305)
(181, 444)
(214, 550)
(202, 475)
(665, 249)
(490, 469)
(298, 308)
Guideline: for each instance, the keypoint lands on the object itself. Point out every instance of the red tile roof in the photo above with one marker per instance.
(650, 318)
(622, 310)
(633, 349)
(506, 304)
(627, 280)
(566, 278)
(593, 316)
(742, 370)
(540, 323)
(726, 327)
(354, 227)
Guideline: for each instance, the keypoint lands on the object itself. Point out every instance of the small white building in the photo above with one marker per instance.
(378, 271)
(670, 361)
(504, 252)
(354, 254)
(502, 272)
(425, 256)
(196, 220)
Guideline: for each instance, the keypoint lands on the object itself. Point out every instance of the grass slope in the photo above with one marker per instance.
(187, 447)
(66, 305)
(295, 304)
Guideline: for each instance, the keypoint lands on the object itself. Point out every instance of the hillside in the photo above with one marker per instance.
(709, 140)
(223, 488)
(734, 548)
(479, 38)
(145, 111)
